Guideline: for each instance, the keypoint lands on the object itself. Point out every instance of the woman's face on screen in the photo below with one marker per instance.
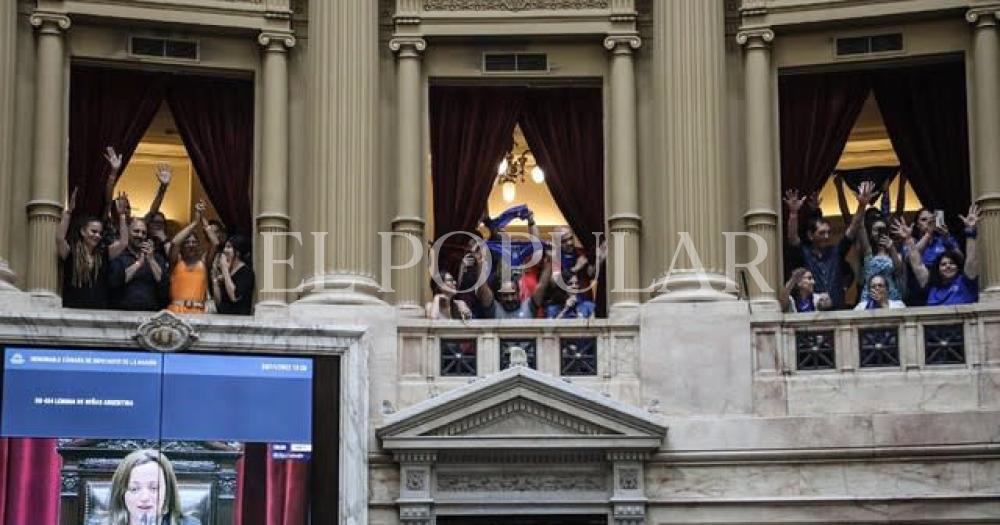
(145, 494)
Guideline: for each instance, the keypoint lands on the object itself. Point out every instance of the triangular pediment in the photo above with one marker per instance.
(521, 408)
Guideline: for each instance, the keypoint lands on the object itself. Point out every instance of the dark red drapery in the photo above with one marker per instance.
(471, 130)
(817, 112)
(271, 492)
(924, 110)
(29, 481)
(215, 119)
(564, 128)
(107, 107)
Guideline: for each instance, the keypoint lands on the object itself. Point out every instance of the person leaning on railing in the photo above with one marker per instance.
(952, 278)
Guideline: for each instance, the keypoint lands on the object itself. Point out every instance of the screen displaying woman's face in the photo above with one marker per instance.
(145, 494)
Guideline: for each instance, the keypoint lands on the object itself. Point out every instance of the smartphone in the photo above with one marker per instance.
(939, 218)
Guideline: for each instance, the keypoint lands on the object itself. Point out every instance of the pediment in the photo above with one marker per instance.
(521, 408)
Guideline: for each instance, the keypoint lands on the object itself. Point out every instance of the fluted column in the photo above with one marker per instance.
(761, 217)
(272, 219)
(343, 69)
(409, 222)
(688, 66)
(45, 206)
(8, 62)
(986, 99)
(624, 222)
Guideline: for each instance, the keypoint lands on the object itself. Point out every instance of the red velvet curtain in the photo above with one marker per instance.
(29, 481)
(564, 128)
(215, 120)
(471, 130)
(817, 112)
(107, 107)
(924, 110)
(271, 492)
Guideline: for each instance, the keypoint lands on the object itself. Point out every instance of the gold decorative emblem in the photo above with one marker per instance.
(165, 332)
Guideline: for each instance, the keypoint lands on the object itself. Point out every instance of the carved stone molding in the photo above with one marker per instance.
(753, 8)
(70, 482)
(512, 5)
(755, 37)
(407, 43)
(627, 455)
(615, 41)
(520, 481)
(514, 406)
(415, 457)
(49, 22)
(281, 40)
(983, 16)
(165, 332)
(520, 457)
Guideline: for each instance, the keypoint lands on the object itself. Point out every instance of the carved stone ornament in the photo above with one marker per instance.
(628, 479)
(70, 482)
(754, 36)
(415, 480)
(266, 38)
(520, 482)
(49, 21)
(512, 5)
(165, 332)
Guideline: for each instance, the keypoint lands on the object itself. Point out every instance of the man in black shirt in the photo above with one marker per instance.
(138, 277)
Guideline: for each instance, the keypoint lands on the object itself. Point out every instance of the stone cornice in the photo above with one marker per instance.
(49, 22)
(411, 44)
(276, 40)
(612, 42)
(757, 37)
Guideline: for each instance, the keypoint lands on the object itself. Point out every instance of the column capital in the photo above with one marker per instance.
(49, 22)
(276, 40)
(983, 16)
(407, 45)
(755, 38)
(622, 43)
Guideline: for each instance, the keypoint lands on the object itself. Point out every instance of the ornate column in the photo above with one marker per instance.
(761, 218)
(8, 63)
(628, 498)
(409, 222)
(688, 64)
(272, 220)
(45, 206)
(986, 100)
(624, 222)
(343, 69)
(415, 501)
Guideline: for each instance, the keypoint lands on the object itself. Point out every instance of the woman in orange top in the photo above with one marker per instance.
(189, 273)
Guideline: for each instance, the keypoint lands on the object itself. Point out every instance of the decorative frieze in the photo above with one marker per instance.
(512, 5)
(505, 410)
(520, 481)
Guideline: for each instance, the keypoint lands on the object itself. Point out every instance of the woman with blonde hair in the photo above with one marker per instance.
(144, 492)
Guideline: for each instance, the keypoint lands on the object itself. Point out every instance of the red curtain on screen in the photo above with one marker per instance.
(29, 481)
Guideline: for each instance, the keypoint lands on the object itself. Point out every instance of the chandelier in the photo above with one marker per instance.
(512, 171)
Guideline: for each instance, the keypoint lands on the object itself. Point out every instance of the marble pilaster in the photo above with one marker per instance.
(8, 62)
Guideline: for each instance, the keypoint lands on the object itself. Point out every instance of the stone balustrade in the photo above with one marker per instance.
(436, 356)
(912, 359)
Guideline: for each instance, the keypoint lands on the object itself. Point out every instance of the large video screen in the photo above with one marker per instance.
(162, 439)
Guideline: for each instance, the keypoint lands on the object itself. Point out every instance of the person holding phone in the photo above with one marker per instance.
(139, 278)
(880, 257)
(144, 492)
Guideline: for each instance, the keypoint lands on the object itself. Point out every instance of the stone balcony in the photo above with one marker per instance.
(937, 359)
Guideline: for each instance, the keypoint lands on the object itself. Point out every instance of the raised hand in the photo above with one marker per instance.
(793, 200)
(163, 173)
(122, 204)
(866, 192)
(114, 159)
(902, 230)
(972, 218)
(71, 205)
(199, 210)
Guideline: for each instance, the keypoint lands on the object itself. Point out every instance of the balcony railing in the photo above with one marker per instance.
(908, 359)
(439, 355)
